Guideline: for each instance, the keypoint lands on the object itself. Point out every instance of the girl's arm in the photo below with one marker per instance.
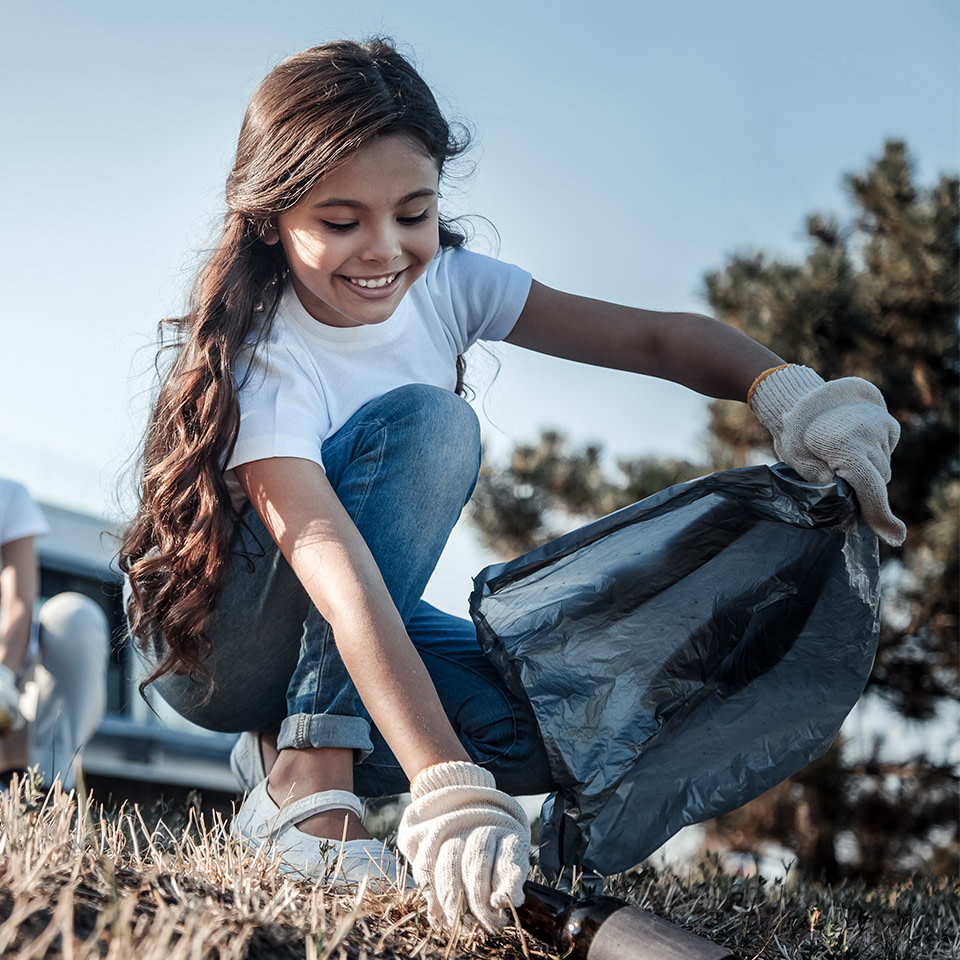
(299, 507)
(702, 354)
(821, 430)
(18, 591)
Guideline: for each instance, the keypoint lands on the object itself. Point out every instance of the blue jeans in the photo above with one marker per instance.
(403, 467)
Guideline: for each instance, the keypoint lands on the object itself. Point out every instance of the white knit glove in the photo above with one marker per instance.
(10, 716)
(464, 836)
(838, 428)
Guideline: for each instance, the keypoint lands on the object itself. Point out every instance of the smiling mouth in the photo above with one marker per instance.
(374, 283)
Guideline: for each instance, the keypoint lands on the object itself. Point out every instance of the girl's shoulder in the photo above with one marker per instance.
(460, 260)
(477, 295)
(456, 268)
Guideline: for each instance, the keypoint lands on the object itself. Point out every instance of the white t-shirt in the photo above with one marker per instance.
(309, 378)
(19, 515)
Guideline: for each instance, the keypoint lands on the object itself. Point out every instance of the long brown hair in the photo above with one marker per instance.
(312, 112)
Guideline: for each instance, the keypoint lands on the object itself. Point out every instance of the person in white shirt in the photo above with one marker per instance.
(53, 666)
(309, 453)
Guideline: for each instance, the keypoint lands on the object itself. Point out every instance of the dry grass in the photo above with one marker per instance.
(797, 920)
(80, 882)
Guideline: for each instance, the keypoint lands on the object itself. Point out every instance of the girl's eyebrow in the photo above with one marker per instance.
(343, 202)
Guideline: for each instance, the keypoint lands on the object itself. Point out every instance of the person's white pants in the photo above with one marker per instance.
(71, 683)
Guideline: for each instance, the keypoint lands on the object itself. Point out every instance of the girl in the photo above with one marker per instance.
(309, 453)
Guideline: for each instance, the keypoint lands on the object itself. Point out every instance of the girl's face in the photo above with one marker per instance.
(361, 237)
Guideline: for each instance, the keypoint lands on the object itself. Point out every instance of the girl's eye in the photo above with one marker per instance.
(338, 227)
(410, 221)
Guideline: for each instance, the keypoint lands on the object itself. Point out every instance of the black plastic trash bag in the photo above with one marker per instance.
(684, 654)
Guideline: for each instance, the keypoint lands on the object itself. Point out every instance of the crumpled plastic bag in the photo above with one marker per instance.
(684, 654)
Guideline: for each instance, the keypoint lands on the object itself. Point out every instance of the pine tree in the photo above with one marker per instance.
(877, 297)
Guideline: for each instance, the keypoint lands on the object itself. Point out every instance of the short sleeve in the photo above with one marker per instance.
(19, 514)
(282, 411)
(478, 297)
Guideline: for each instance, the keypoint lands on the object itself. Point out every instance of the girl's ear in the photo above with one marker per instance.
(270, 233)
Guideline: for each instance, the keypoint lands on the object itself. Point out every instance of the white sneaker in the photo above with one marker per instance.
(260, 822)
(246, 761)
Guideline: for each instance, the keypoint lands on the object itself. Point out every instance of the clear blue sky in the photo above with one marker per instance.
(622, 150)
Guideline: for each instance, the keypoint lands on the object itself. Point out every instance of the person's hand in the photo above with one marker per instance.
(838, 428)
(10, 716)
(467, 842)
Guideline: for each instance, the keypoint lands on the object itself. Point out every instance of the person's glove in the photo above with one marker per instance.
(10, 716)
(838, 428)
(465, 837)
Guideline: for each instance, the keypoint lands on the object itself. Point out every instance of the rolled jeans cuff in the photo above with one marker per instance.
(304, 730)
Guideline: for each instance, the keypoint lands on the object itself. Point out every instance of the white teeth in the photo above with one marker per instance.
(379, 282)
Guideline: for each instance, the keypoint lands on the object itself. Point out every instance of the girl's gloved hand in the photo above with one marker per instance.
(838, 428)
(10, 716)
(465, 837)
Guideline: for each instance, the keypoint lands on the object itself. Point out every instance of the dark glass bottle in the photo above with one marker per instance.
(606, 928)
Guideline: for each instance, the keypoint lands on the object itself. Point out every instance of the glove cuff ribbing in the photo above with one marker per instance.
(452, 773)
(778, 390)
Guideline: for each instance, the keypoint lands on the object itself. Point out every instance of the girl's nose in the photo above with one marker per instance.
(383, 244)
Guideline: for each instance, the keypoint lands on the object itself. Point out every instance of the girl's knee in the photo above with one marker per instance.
(440, 406)
(416, 430)
(432, 417)
(445, 430)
